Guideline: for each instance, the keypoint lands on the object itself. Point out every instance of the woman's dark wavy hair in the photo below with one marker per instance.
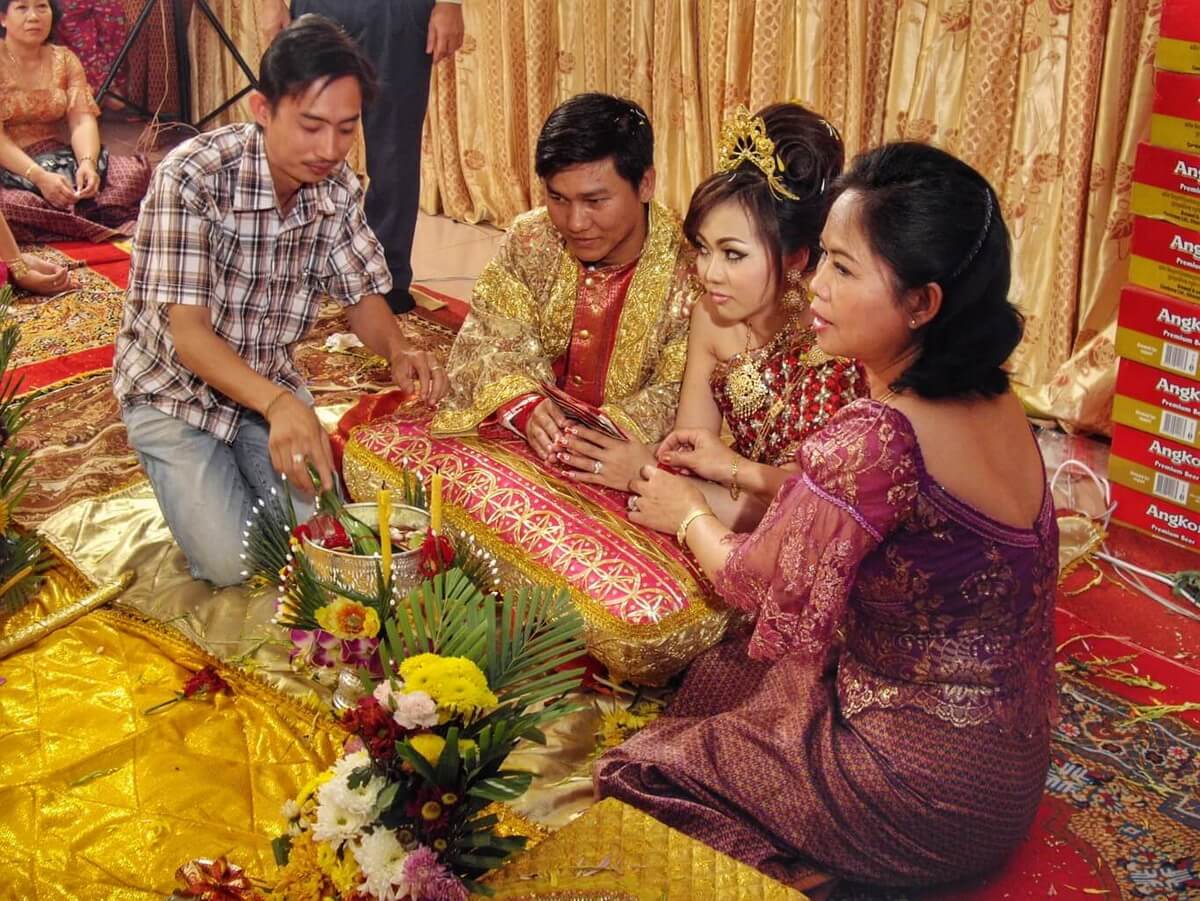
(812, 155)
(55, 15)
(312, 49)
(593, 127)
(935, 220)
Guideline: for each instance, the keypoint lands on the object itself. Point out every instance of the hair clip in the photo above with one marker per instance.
(744, 140)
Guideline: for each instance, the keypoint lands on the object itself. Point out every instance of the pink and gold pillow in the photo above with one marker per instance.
(647, 609)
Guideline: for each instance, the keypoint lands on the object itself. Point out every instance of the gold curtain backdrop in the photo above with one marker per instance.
(1047, 98)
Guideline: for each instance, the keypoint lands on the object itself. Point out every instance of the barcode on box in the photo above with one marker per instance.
(1176, 426)
(1171, 488)
(1180, 359)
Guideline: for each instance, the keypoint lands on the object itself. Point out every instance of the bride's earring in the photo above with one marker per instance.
(795, 298)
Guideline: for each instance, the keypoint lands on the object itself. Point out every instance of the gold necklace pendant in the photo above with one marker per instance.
(746, 389)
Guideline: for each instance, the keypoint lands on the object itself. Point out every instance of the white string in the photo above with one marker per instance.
(1131, 574)
(1102, 485)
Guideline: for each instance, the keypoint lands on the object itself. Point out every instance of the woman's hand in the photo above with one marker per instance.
(57, 190)
(700, 452)
(662, 500)
(44, 277)
(597, 459)
(87, 180)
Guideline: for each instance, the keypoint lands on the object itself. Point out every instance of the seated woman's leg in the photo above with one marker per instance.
(202, 492)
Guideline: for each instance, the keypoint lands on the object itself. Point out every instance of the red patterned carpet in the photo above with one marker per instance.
(70, 335)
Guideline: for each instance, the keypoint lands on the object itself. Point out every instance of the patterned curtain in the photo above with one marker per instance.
(1048, 98)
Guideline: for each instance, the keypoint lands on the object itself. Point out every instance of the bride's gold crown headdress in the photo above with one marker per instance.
(744, 140)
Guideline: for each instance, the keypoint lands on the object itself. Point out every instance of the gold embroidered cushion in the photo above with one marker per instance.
(647, 609)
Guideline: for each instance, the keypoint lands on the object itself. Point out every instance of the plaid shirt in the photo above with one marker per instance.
(210, 234)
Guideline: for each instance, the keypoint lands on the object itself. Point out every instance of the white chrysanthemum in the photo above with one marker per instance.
(337, 824)
(381, 858)
(290, 810)
(348, 764)
(359, 801)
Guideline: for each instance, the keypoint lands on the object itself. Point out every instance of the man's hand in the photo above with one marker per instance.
(546, 429)
(57, 190)
(597, 459)
(273, 18)
(297, 437)
(445, 31)
(420, 373)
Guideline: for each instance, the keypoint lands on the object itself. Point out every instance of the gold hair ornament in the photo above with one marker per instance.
(744, 140)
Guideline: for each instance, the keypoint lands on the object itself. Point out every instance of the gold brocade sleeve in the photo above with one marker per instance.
(504, 348)
(649, 414)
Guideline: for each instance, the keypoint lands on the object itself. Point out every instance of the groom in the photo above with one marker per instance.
(589, 293)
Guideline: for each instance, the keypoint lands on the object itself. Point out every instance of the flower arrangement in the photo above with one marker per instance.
(403, 814)
(455, 674)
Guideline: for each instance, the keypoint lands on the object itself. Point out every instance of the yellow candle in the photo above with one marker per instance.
(435, 504)
(385, 534)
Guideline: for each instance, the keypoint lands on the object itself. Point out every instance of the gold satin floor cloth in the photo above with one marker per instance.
(99, 800)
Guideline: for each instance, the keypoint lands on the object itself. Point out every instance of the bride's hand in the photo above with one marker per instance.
(700, 452)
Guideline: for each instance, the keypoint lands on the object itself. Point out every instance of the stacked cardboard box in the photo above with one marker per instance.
(1155, 463)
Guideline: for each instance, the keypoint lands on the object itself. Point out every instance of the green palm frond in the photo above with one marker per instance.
(539, 631)
(446, 615)
(22, 563)
(22, 567)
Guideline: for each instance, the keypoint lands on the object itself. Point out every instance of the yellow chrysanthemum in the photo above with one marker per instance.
(618, 725)
(347, 619)
(429, 745)
(456, 684)
(302, 879)
(343, 871)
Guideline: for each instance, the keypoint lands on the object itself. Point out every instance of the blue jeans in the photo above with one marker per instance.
(205, 487)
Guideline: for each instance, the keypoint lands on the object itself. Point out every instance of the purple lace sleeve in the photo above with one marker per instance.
(797, 568)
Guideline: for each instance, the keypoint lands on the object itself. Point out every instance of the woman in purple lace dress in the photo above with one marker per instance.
(887, 719)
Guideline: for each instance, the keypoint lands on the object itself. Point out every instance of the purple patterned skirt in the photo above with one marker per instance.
(755, 760)
(112, 213)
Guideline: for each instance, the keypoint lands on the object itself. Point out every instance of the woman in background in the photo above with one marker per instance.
(56, 180)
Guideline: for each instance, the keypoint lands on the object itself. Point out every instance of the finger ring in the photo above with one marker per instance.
(632, 504)
(597, 466)
(297, 458)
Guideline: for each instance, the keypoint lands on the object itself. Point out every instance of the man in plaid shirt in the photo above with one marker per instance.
(242, 232)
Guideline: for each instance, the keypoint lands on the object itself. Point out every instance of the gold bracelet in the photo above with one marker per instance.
(681, 534)
(29, 169)
(17, 268)
(80, 160)
(283, 392)
(734, 489)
